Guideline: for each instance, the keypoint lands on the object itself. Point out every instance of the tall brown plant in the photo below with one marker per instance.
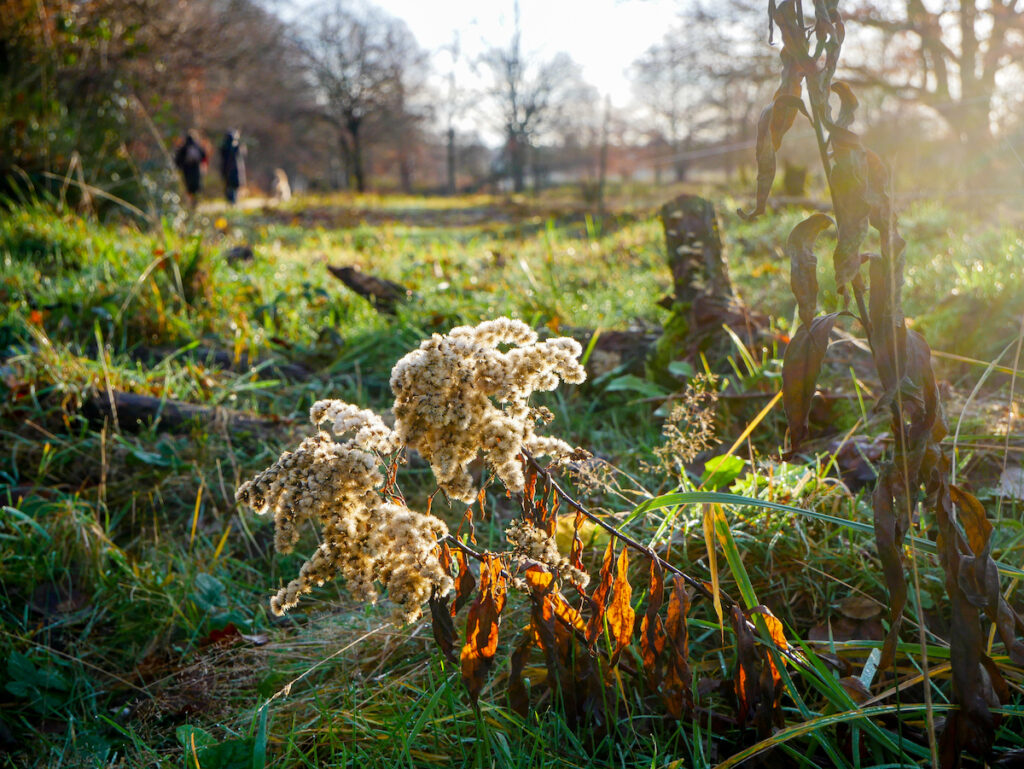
(914, 485)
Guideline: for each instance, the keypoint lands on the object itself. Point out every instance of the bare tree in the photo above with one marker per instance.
(453, 102)
(360, 61)
(529, 96)
(945, 55)
(705, 79)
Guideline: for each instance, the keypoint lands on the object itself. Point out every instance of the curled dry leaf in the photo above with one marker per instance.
(803, 264)
(891, 524)
(543, 588)
(778, 636)
(847, 103)
(678, 679)
(464, 582)
(765, 153)
(443, 626)
(652, 631)
(599, 598)
(747, 676)
(849, 183)
(801, 365)
(979, 576)
(620, 613)
(777, 118)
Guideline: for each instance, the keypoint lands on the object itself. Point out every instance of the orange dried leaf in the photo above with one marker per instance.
(652, 632)
(464, 582)
(541, 584)
(678, 694)
(620, 614)
(778, 636)
(482, 627)
(599, 598)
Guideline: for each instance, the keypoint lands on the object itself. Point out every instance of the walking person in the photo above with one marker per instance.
(190, 158)
(232, 164)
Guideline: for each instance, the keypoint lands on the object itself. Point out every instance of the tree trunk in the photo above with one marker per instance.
(405, 171)
(346, 160)
(358, 172)
(451, 161)
(602, 165)
(517, 162)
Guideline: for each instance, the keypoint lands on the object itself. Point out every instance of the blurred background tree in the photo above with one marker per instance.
(94, 94)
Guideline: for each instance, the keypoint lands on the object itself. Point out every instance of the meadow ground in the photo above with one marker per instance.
(133, 589)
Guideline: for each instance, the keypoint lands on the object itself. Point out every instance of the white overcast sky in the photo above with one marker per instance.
(603, 36)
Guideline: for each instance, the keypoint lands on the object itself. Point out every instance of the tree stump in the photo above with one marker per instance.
(703, 299)
(695, 253)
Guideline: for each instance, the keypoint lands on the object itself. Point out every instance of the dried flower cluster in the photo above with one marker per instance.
(690, 427)
(456, 396)
(366, 539)
(532, 544)
(459, 395)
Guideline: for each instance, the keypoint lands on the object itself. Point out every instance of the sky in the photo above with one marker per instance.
(603, 36)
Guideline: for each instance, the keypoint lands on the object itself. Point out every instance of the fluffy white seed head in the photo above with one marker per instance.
(459, 395)
(367, 540)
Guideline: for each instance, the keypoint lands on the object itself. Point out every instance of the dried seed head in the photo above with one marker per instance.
(459, 394)
(366, 539)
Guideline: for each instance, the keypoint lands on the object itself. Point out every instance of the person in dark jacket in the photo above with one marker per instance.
(232, 164)
(190, 159)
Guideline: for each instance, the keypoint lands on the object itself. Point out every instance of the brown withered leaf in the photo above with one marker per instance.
(855, 688)
(979, 576)
(445, 557)
(849, 184)
(977, 684)
(801, 365)
(678, 692)
(777, 118)
(765, 164)
(551, 516)
(599, 598)
(786, 18)
(620, 613)
(518, 697)
(974, 519)
(652, 632)
(890, 529)
(464, 582)
(785, 105)
(803, 264)
(847, 103)
(443, 626)
(482, 626)
(859, 607)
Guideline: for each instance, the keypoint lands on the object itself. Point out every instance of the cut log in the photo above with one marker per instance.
(266, 368)
(136, 412)
(383, 294)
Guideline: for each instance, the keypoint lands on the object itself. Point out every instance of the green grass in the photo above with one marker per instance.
(123, 554)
